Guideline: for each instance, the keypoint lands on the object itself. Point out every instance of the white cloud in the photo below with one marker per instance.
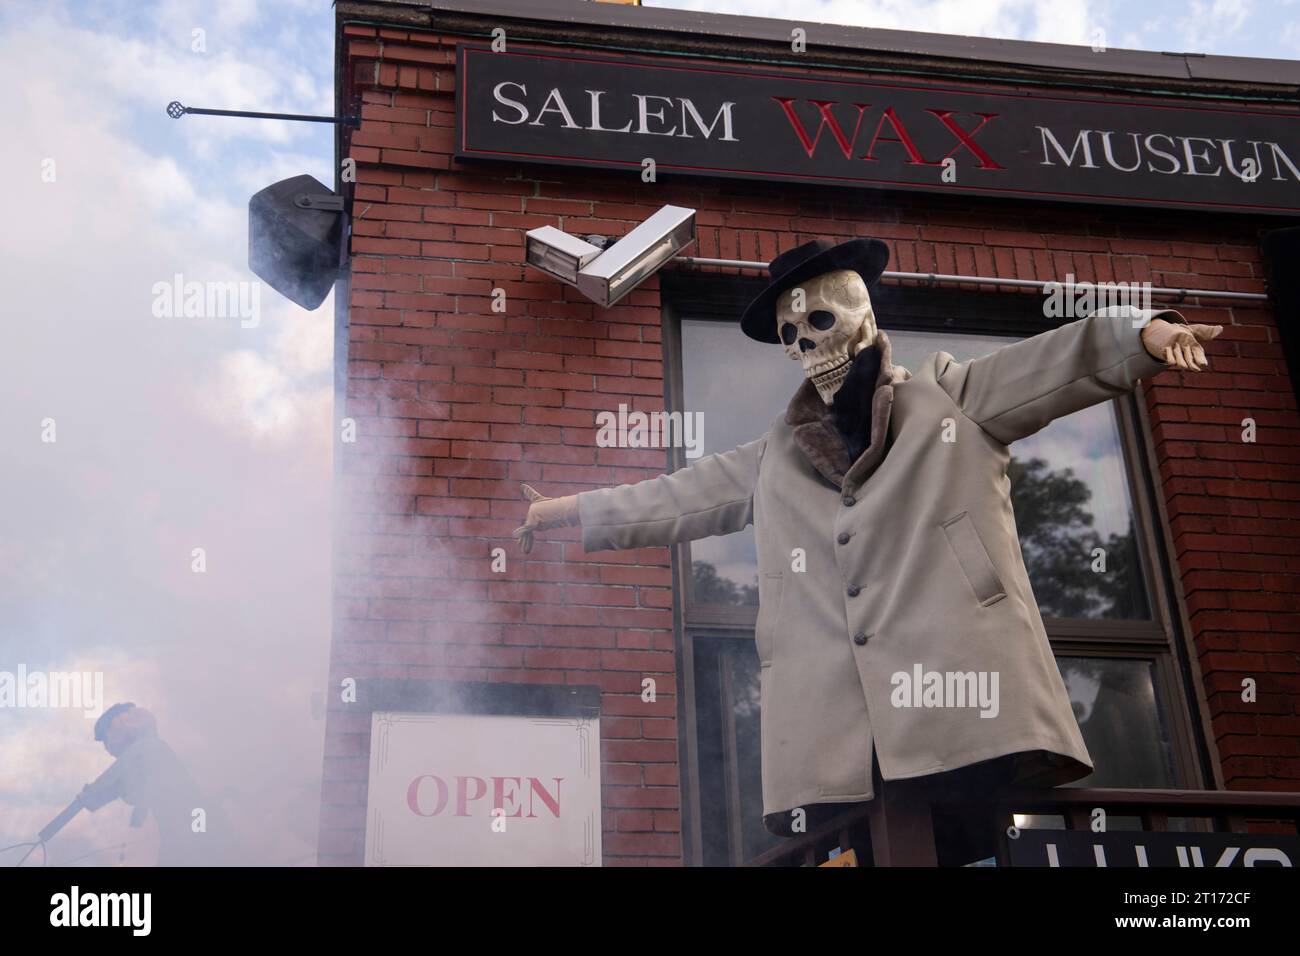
(1058, 21)
(1226, 27)
(1204, 25)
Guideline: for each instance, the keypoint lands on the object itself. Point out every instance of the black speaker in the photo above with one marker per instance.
(294, 230)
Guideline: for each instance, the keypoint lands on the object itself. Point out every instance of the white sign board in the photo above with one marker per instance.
(483, 790)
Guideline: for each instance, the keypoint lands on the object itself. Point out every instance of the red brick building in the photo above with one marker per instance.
(460, 393)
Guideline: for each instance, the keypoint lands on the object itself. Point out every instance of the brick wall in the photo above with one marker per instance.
(456, 404)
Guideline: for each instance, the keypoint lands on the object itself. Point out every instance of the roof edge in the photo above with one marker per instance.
(614, 26)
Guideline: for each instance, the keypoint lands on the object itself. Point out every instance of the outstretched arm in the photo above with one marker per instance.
(1013, 392)
(713, 496)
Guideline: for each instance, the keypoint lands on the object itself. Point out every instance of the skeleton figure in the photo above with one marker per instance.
(824, 323)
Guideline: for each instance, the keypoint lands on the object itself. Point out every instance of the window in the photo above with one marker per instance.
(1080, 496)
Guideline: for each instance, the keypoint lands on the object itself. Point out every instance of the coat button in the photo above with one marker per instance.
(850, 501)
(844, 537)
(859, 638)
(854, 590)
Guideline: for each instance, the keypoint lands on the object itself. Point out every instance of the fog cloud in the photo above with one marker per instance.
(170, 434)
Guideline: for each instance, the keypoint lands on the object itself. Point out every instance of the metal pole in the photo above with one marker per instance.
(938, 278)
(177, 110)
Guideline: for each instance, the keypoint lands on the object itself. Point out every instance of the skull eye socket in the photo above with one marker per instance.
(788, 332)
(821, 320)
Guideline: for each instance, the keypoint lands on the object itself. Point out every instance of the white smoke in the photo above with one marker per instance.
(171, 433)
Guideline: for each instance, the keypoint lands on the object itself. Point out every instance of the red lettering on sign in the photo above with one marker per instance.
(903, 138)
(506, 795)
(463, 796)
(828, 120)
(499, 795)
(413, 795)
(967, 139)
(553, 802)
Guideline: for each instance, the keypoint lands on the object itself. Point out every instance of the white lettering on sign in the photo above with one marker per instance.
(1184, 155)
(650, 118)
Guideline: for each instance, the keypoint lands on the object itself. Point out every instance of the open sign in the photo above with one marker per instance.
(483, 790)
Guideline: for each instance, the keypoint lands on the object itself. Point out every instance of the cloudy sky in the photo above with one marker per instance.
(174, 433)
(1261, 28)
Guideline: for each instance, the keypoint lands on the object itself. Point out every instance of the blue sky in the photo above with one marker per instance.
(177, 433)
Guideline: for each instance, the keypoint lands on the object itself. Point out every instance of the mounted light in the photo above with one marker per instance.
(557, 253)
(622, 267)
(607, 275)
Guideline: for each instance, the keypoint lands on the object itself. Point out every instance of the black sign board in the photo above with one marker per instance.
(1140, 848)
(774, 125)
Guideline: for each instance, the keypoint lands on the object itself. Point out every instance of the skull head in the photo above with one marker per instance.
(824, 323)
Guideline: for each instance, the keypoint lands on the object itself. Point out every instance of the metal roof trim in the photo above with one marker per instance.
(980, 52)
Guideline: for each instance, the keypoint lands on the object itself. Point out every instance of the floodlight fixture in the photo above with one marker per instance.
(607, 274)
(557, 253)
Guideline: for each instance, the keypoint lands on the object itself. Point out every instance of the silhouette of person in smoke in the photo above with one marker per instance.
(151, 778)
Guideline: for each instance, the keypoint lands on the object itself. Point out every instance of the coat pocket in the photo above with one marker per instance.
(771, 592)
(973, 559)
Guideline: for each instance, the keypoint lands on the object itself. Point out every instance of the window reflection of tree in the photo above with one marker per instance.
(1059, 543)
(740, 662)
(712, 588)
(746, 700)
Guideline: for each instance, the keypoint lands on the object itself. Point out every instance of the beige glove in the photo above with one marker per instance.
(544, 513)
(1179, 346)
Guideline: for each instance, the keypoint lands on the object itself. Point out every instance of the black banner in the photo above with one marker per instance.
(580, 110)
(111, 908)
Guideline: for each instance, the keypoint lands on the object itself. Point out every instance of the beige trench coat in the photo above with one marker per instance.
(912, 559)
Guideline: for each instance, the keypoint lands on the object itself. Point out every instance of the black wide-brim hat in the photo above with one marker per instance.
(866, 257)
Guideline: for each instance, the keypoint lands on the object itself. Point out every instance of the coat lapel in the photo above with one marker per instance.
(814, 431)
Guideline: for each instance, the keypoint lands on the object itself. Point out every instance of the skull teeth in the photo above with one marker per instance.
(828, 364)
(831, 375)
